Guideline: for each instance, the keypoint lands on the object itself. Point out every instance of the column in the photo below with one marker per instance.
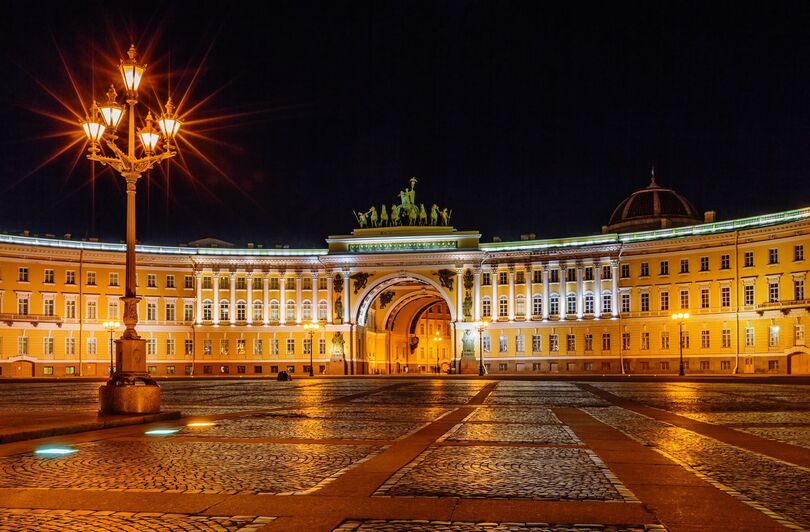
(282, 298)
(529, 309)
(329, 288)
(597, 290)
(215, 314)
(477, 295)
(299, 277)
(563, 298)
(614, 266)
(233, 298)
(346, 281)
(249, 281)
(459, 291)
(493, 279)
(511, 307)
(315, 316)
(266, 298)
(580, 294)
(545, 291)
(198, 278)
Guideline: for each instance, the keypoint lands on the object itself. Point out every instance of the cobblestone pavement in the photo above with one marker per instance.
(794, 435)
(764, 481)
(411, 413)
(379, 525)
(538, 415)
(513, 433)
(500, 472)
(83, 520)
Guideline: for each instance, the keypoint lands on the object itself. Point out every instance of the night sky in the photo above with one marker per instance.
(522, 117)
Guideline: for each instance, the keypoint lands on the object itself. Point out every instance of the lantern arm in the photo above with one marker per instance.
(145, 163)
(123, 157)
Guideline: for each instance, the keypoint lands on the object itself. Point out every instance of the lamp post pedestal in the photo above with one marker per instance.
(130, 390)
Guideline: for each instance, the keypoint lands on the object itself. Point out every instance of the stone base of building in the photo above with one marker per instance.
(468, 366)
(129, 399)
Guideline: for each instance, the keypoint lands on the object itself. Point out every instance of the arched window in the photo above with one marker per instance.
(486, 307)
(503, 306)
(571, 307)
(290, 314)
(257, 311)
(208, 310)
(306, 310)
(241, 310)
(537, 305)
(520, 306)
(554, 305)
(588, 303)
(322, 310)
(224, 307)
(274, 310)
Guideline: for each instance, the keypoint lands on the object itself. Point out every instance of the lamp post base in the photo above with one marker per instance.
(129, 398)
(468, 366)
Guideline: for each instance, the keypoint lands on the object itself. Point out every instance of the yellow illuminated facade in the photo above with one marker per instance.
(392, 299)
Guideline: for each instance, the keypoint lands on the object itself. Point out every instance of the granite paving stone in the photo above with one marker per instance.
(29, 519)
(514, 433)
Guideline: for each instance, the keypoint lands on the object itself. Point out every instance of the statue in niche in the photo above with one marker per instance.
(422, 214)
(468, 280)
(468, 345)
(337, 347)
(383, 216)
(360, 279)
(338, 284)
(446, 278)
(339, 309)
(466, 307)
(386, 298)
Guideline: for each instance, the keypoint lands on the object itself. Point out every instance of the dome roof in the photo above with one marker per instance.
(653, 207)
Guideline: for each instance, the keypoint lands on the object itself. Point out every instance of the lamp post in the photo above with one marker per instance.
(437, 339)
(311, 328)
(110, 327)
(120, 394)
(681, 318)
(481, 326)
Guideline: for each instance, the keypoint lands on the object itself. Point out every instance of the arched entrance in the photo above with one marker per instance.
(798, 363)
(404, 326)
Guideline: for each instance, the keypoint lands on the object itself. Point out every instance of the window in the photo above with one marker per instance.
(48, 306)
(725, 296)
(684, 265)
(589, 273)
(704, 365)
(664, 300)
(571, 343)
(684, 299)
(274, 346)
(224, 347)
(663, 268)
(113, 279)
(704, 264)
(537, 276)
(725, 338)
(290, 283)
(290, 313)
(207, 347)
(70, 309)
(151, 280)
(307, 346)
(554, 305)
(274, 310)
(553, 343)
(170, 281)
(322, 310)
(257, 346)
(486, 305)
(257, 310)
(773, 365)
(290, 346)
(704, 339)
(554, 276)
(151, 311)
(625, 271)
(685, 339)
(588, 342)
(798, 252)
(571, 304)
(748, 294)
(189, 346)
(48, 277)
(487, 343)
(240, 283)
(520, 305)
(91, 278)
(188, 282)
(170, 311)
(169, 370)
(607, 301)
(240, 346)
(485, 279)
(322, 346)
(725, 365)
(645, 269)
(645, 302)
(503, 345)
(22, 275)
(725, 262)
(537, 305)
(749, 337)
(645, 365)
(188, 312)
(151, 346)
(274, 283)
(773, 256)
(70, 346)
(798, 289)
(47, 345)
(625, 302)
(224, 282)
(571, 275)
(645, 341)
(208, 310)
(773, 336)
(665, 340)
(663, 365)
(207, 370)
(47, 370)
(241, 311)
(704, 298)
(773, 291)
(22, 345)
(255, 283)
(606, 274)
(170, 347)
(520, 277)
(605, 341)
(588, 303)
(626, 341)
(537, 343)
(605, 366)
(70, 277)
(798, 334)
(91, 310)
(748, 261)
(321, 283)
(224, 308)
(208, 283)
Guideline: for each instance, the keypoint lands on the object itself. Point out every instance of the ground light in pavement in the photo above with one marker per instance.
(54, 451)
(160, 432)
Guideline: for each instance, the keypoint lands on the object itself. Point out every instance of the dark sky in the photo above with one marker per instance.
(520, 116)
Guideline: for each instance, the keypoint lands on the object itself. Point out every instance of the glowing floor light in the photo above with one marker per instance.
(201, 424)
(54, 451)
(160, 432)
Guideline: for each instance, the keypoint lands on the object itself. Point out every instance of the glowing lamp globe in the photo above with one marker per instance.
(149, 135)
(131, 71)
(169, 124)
(92, 126)
(111, 111)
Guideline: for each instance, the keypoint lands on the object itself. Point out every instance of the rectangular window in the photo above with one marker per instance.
(625, 271)
(321, 283)
(520, 277)
(725, 338)
(605, 341)
(47, 345)
(704, 339)
(684, 265)
(22, 275)
(224, 347)
(626, 341)
(257, 346)
(240, 346)
(725, 296)
(749, 337)
(537, 343)
(684, 299)
(241, 370)
(113, 279)
(798, 252)
(664, 300)
(520, 343)
(91, 310)
(554, 276)
(589, 273)
(170, 347)
(704, 264)
(503, 307)
(665, 340)
(773, 365)
(487, 343)
(151, 347)
(48, 306)
(645, 341)
(570, 275)
(151, 311)
(773, 291)
(798, 289)
(307, 346)
(798, 334)
(189, 347)
(553, 343)
(725, 262)
(773, 336)
(188, 312)
(725, 365)
(322, 346)
(151, 280)
(773, 256)
(606, 274)
(188, 282)
(70, 346)
(208, 370)
(664, 268)
(91, 278)
(47, 370)
(607, 303)
(664, 366)
(645, 269)
(151, 369)
(170, 281)
(208, 283)
(685, 339)
(571, 343)
(70, 370)
(70, 309)
(240, 283)
(170, 312)
(645, 365)
(274, 345)
(485, 279)
(290, 346)
(704, 298)
(22, 345)
(169, 370)
(48, 277)
(704, 365)
(625, 302)
(645, 302)
(70, 277)
(502, 344)
(537, 276)
(748, 294)
(486, 307)
(748, 260)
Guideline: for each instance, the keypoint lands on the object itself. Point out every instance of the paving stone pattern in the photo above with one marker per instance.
(535, 415)
(84, 520)
(379, 525)
(514, 433)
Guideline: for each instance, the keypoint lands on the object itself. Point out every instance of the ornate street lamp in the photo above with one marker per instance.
(311, 328)
(437, 339)
(681, 318)
(110, 327)
(130, 390)
(481, 326)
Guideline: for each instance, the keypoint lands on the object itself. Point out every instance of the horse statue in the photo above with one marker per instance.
(434, 214)
(373, 216)
(412, 214)
(394, 215)
(422, 215)
(383, 216)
